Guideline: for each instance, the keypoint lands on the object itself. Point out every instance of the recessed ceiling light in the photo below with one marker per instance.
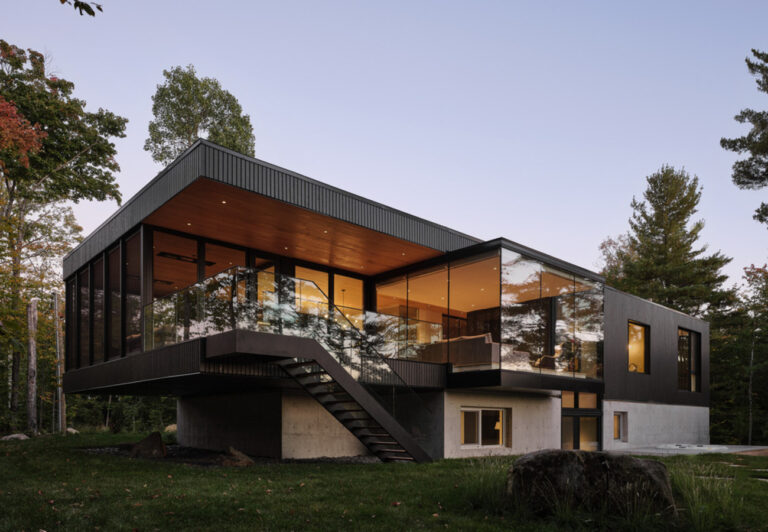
(286, 248)
(223, 202)
(403, 253)
(189, 223)
(325, 231)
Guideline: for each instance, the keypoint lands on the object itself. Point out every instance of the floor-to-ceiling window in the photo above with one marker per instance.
(551, 320)
(132, 293)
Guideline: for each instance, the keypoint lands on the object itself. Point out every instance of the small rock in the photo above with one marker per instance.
(150, 447)
(11, 437)
(171, 428)
(593, 481)
(235, 458)
(70, 430)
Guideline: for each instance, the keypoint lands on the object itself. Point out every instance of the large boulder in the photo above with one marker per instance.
(235, 458)
(12, 437)
(544, 481)
(150, 447)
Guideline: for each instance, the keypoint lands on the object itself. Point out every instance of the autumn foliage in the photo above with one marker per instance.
(18, 138)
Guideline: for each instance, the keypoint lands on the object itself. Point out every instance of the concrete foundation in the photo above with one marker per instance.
(531, 422)
(648, 424)
(310, 431)
(276, 424)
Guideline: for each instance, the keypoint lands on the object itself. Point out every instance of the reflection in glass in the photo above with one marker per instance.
(132, 268)
(256, 299)
(551, 321)
(84, 324)
(115, 312)
(98, 311)
(348, 298)
(71, 324)
(312, 298)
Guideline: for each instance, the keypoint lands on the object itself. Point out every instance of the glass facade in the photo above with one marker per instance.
(445, 313)
(115, 338)
(84, 323)
(132, 293)
(493, 310)
(551, 320)
(98, 310)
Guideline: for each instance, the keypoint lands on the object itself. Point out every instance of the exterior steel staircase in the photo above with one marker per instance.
(342, 404)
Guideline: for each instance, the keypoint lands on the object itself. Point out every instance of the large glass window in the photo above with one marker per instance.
(551, 321)
(115, 310)
(98, 310)
(132, 293)
(427, 304)
(220, 258)
(638, 348)
(348, 298)
(688, 361)
(311, 291)
(84, 326)
(483, 427)
(71, 324)
(473, 321)
(174, 263)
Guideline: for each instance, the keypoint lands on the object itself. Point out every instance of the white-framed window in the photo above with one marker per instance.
(482, 427)
(620, 426)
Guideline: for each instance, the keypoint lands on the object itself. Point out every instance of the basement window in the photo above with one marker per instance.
(482, 427)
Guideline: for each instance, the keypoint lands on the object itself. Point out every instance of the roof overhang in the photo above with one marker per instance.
(226, 167)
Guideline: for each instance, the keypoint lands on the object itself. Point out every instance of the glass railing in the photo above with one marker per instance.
(255, 300)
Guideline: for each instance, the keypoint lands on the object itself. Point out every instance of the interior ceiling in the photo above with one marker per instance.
(223, 212)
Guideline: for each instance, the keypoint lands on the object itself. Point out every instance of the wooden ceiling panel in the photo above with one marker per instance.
(223, 212)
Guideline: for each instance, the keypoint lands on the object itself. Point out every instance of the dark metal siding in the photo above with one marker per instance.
(204, 159)
(180, 359)
(660, 385)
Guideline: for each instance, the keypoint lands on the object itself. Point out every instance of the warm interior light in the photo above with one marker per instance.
(223, 202)
(189, 223)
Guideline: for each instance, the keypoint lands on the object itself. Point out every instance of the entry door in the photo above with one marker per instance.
(580, 432)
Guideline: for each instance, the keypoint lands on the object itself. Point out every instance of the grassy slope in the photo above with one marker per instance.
(49, 484)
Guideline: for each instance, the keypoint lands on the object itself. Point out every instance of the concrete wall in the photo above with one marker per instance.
(533, 422)
(310, 431)
(650, 424)
(249, 422)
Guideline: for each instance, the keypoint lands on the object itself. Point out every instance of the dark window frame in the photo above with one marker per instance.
(694, 361)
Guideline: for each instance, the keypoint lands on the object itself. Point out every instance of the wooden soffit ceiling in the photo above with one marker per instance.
(222, 212)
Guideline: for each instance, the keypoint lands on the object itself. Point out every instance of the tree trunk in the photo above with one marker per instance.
(32, 367)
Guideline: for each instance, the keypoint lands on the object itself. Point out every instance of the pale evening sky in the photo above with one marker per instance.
(536, 121)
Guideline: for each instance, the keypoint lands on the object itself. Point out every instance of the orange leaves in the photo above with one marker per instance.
(18, 136)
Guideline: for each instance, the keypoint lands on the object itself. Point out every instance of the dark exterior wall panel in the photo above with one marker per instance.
(205, 159)
(660, 385)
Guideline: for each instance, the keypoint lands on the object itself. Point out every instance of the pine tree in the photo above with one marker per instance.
(752, 172)
(659, 258)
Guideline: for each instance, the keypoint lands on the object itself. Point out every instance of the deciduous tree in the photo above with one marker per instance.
(187, 107)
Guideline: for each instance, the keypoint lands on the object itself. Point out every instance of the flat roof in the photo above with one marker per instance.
(206, 159)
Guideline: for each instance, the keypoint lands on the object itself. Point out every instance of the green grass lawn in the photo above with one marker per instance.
(49, 483)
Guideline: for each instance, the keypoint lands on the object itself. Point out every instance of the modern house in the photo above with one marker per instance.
(293, 319)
